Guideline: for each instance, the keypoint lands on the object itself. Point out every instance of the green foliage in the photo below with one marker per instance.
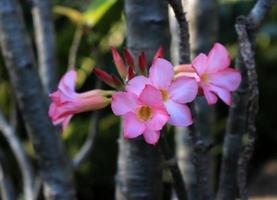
(96, 10)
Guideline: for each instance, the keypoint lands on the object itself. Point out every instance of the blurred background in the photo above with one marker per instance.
(92, 27)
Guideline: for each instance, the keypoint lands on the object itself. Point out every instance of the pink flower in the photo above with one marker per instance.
(216, 78)
(66, 102)
(144, 114)
(175, 92)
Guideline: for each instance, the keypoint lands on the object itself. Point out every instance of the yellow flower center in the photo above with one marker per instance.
(205, 78)
(165, 94)
(144, 113)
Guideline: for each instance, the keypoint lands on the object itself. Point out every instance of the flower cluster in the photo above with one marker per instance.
(153, 98)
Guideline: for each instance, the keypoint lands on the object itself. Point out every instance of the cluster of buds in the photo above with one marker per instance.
(127, 68)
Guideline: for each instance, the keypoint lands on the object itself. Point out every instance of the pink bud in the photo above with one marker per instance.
(116, 81)
(159, 54)
(142, 63)
(104, 76)
(129, 58)
(120, 66)
(131, 73)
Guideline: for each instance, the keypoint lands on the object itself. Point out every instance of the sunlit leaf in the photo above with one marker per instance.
(96, 11)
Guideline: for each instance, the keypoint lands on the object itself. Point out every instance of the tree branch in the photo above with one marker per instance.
(259, 12)
(247, 53)
(20, 155)
(19, 60)
(246, 29)
(45, 42)
(184, 51)
(243, 112)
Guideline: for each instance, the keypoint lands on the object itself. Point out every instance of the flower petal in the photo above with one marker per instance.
(210, 97)
(161, 73)
(158, 120)
(132, 127)
(218, 58)
(151, 137)
(67, 83)
(137, 84)
(123, 102)
(183, 90)
(223, 94)
(180, 115)
(228, 79)
(151, 97)
(200, 63)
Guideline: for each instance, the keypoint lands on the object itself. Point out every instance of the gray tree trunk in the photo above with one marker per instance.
(45, 42)
(203, 24)
(139, 173)
(18, 55)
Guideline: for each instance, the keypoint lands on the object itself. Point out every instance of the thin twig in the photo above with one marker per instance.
(89, 143)
(171, 162)
(74, 47)
(20, 155)
(184, 52)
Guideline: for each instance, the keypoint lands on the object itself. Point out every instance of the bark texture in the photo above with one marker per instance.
(45, 43)
(18, 55)
(139, 164)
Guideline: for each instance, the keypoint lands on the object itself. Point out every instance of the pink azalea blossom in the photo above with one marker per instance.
(144, 114)
(175, 92)
(215, 77)
(66, 102)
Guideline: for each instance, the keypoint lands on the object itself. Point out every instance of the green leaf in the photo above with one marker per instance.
(96, 11)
